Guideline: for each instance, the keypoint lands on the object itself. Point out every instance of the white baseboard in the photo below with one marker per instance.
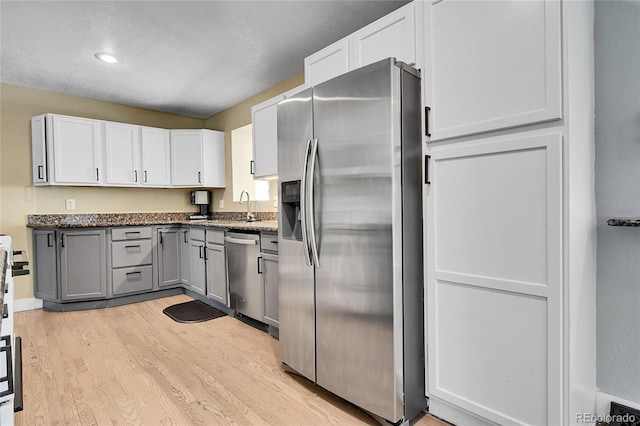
(27, 304)
(603, 402)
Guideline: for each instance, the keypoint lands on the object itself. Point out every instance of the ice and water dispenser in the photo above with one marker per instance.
(291, 215)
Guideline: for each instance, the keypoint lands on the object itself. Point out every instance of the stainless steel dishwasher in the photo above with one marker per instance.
(245, 283)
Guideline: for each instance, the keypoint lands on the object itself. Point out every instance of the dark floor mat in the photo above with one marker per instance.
(194, 311)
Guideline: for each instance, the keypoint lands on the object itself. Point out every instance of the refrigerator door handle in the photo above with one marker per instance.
(312, 217)
(303, 206)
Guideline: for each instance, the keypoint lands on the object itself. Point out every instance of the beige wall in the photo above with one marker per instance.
(19, 198)
(238, 116)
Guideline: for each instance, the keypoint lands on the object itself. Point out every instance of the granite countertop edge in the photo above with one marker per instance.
(109, 220)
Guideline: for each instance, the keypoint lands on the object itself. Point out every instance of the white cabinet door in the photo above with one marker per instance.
(156, 155)
(494, 278)
(122, 147)
(491, 65)
(265, 137)
(39, 150)
(393, 35)
(77, 151)
(329, 62)
(186, 158)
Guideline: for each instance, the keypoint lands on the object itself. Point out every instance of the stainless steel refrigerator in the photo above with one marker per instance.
(350, 238)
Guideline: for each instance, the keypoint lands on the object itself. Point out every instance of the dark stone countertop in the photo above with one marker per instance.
(266, 222)
(629, 221)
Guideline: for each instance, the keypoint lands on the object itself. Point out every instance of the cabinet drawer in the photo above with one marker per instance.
(196, 234)
(130, 253)
(268, 243)
(133, 233)
(129, 280)
(215, 236)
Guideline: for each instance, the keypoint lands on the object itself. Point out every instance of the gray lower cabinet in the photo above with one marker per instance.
(198, 279)
(83, 265)
(45, 264)
(270, 280)
(89, 264)
(131, 260)
(217, 282)
(185, 259)
(169, 259)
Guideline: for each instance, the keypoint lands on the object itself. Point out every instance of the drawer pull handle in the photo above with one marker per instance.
(134, 273)
(132, 232)
(133, 246)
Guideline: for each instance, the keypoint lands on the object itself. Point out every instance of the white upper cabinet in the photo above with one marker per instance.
(156, 157)
(491, 65)
(393, 35)
(329, 62)
(197, 158)
(39, 150)
(77, 151)
(264, 118)
(122, 147)
(80, 151)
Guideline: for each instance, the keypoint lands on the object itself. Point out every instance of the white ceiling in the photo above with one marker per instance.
(193, 58)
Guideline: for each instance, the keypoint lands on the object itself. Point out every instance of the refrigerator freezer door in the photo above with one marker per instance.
(358, 283)
(297, 288)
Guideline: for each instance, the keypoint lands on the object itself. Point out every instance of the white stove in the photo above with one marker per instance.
(10, 346)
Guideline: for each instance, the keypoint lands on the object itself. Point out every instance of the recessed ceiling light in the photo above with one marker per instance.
(109, 58)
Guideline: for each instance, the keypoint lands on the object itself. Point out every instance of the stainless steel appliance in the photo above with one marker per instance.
(350, 238)
(245, 283)
(200, 199)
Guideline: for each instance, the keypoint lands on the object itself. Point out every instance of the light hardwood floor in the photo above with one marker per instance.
(134, 365)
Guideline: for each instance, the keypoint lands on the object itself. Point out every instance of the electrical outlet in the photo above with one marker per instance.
(70, 203)
(275, 202)
(221, 204)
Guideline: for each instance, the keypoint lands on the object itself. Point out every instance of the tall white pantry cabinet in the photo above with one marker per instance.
(509, 210)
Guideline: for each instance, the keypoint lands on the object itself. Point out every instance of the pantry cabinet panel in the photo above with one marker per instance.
(491, 65)
(122, 147)
(77, 151)
(494, 287)
(329, 62)
(393, 35)
(156, 157)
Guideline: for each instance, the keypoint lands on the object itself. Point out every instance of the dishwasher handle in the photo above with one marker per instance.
(241, 241)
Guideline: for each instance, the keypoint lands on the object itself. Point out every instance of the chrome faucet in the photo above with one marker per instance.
(250, 217)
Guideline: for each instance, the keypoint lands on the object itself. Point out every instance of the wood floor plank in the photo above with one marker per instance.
(133, 365)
